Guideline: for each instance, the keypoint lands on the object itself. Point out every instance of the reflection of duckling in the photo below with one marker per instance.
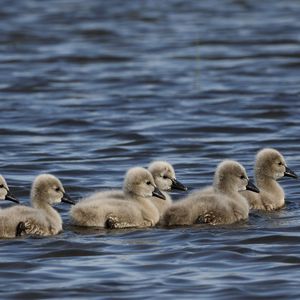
(5, 194)
(136, 210)
(269, 167)
(220, 204)
(42, 218)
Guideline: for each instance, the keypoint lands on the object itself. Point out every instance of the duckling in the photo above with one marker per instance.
(132, 209)
(5, 193)
(164, 177)
(218, 204)
(270, 166)
(41, 219)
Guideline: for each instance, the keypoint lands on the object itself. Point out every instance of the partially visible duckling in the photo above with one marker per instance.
(5, 193)
(165, 179)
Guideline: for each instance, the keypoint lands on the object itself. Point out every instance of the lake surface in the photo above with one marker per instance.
(91, 88)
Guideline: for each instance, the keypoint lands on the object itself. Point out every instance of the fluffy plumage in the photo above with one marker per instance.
(165, 179)
(41, 218)
(131, 208)
(270, 166)
(218, 204)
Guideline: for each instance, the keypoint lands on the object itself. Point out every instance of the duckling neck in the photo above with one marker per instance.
(148, 208)
(271, 191)
(48, 209)
(267, 183)
(129, 195)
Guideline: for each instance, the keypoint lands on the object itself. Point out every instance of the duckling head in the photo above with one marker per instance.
(47, 189)
(139, 182)
(5, 194)
(230, 176)
(270, 163)
(164, 176)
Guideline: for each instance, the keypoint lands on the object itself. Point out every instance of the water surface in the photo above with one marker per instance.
(89, 89)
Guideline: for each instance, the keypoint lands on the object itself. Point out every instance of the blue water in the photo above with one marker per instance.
(91, 88)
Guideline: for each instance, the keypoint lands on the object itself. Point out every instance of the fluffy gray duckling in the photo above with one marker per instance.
(40, 219)
(112, 209)
(270, 166)
(221, 203)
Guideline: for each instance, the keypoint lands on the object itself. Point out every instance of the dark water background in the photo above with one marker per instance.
(91, 88)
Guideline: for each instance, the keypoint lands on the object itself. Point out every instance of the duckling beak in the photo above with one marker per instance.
(67, 199)
(178, 185)
(11, 197)
(251, 187)
(289, 173)
(157, 193)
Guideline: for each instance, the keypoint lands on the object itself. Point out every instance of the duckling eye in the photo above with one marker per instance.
(165, 177)
(1, 186)
(280, 164)
(148, 182)
(57, 189)
(243, 177)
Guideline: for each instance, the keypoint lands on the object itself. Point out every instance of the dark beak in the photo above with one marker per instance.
(176, 185)
(67, 199)
(11, 197)
(157, 193)
(251, 187)
(289, 173)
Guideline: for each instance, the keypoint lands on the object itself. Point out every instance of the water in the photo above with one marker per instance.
(91, 88)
